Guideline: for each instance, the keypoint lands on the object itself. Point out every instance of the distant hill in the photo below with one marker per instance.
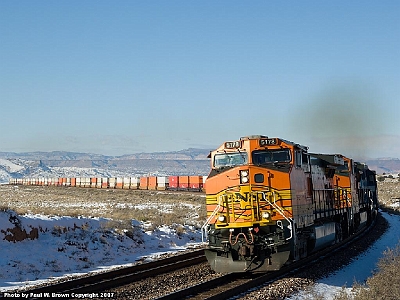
(73, 164)
(384, 165)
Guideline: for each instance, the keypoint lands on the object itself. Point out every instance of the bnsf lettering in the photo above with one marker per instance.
(244, 197)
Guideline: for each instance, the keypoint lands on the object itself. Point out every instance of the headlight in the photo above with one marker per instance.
(265, 215)
(221, 218)
(244, 176)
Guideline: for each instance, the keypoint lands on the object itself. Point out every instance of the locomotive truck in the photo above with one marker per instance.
(269, 201)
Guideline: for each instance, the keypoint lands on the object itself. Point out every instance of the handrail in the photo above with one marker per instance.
(203, 228)
(280, 210)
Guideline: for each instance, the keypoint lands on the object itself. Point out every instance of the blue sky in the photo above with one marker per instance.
(120, 77)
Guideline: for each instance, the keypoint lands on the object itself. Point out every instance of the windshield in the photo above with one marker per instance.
(230, 159)
(270, 156)
(343, 170)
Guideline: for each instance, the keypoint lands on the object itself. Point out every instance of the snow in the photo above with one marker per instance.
(358, 270)
(11, 167)
(71, 246)
(396, 205)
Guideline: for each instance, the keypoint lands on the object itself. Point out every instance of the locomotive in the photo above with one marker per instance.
(269, 201)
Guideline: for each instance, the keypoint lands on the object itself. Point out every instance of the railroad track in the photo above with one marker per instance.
(223, 287)
(231, 285)
(109, 280)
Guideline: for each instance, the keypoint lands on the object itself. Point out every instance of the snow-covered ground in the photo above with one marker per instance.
(71, 246)
(360, 269)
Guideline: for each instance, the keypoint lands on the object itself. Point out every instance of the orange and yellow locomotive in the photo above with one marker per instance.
(269, 201)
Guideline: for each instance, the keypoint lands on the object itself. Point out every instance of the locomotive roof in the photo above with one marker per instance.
(253, 137)
(333, 159)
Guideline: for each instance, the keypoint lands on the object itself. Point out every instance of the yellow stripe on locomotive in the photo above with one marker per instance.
(243, 207)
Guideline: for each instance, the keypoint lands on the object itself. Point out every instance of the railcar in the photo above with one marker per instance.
(269, 201)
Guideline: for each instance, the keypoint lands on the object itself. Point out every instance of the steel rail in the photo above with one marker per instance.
(115, 278)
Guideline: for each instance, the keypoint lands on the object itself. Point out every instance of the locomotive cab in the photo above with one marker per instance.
(250, 224)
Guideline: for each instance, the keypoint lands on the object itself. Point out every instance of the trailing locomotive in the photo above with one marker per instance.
(269, 201)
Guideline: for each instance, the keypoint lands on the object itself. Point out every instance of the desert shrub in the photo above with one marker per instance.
(384, 284)
(4, 208)
(119, 225)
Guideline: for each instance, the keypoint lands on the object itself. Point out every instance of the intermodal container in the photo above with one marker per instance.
(111, 182)
(173, 182)
(196, 183)
(119, 182)
(162, 182)
(80, 182)
(93, 182)
(183, 183)
(126, 182)
(73, 181)
(135, 181)
(144, 182)
(104, 183)
(86, 182)
(152, 185)
(98, 182)
(83, 181)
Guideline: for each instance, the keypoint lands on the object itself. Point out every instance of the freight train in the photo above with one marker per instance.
(193, 183)
(269, 201)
